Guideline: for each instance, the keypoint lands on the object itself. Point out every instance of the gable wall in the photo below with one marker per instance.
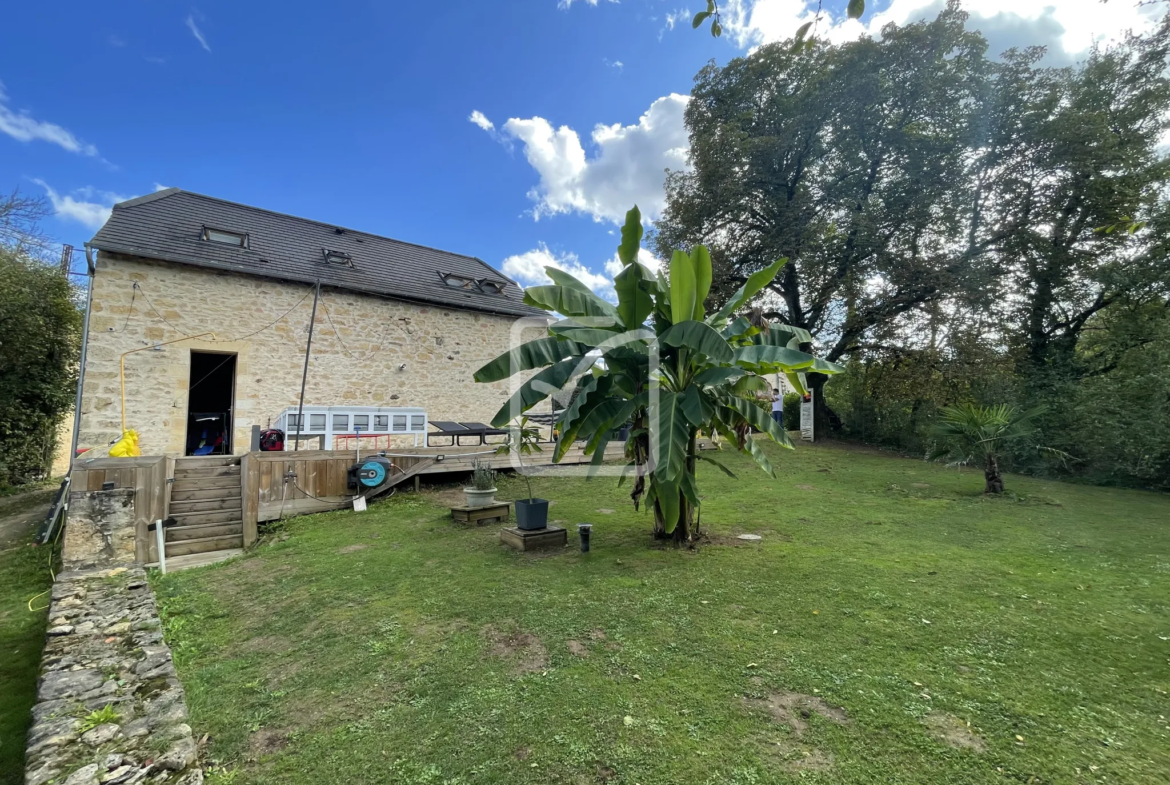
(442, 348)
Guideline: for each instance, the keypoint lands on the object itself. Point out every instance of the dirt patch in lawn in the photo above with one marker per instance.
(805, 487)
(794, 709)
(578, 649)
(266, 741)
(954, 732)
(352, 548)
(451, 497)
(524, 648)
(267, 644)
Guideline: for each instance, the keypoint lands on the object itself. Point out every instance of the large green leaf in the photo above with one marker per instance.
(780, 357)
(595, 418)
(666, 495)
(797, 381)
(615, 418)
(696, 408)
(718, 464)
(682, 287)
(670, 436)
(701, 261)
(539, 387)
(562, 278)
(525, 357)
(717, 376)
(631, 237)
(755, 282)
(825, 367)
(749, 445)
(689, 489)
(749, 385)
(587, 336)
(598, 455)
(634, 301)
(573, 423)
(586, 386)
(782, 335)
(699, 337)
(739, 327)
(570, 301)
(760, 419)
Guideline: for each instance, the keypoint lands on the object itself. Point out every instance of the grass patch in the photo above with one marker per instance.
(23, 573)
(892, 625)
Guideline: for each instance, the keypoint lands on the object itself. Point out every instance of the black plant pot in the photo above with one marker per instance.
(531, 514)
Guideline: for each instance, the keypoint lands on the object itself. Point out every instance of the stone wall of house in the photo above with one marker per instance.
(359, 344)
(110, 709)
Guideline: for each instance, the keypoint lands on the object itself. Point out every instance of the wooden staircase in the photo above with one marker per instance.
(207, 505)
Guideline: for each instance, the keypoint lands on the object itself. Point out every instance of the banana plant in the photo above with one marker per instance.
(657, 361)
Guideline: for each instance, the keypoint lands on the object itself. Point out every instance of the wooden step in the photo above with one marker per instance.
(205, 484)
(214, 516)
(232, 502)
(202, 493)
(202, 559)
(206, 471)
(178, 533)
(204, 461)
(204, 544)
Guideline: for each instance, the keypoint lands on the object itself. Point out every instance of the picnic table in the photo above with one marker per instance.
(458, 430)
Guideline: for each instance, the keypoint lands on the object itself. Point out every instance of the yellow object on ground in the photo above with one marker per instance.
(127, 446)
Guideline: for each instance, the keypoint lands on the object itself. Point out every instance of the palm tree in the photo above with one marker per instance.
(969, 434)
(657, 361)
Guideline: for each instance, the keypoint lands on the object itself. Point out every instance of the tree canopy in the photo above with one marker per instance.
(938, 203)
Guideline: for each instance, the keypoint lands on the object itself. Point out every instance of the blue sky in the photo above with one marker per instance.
(360, 113)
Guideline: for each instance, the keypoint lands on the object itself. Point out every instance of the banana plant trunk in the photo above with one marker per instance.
(992, 475)
(686, 528)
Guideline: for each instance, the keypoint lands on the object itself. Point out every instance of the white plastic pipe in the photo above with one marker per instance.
(161, 537)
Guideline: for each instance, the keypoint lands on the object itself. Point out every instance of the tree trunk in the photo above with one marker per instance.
(992, 476)
(824, 418)
(684, 531)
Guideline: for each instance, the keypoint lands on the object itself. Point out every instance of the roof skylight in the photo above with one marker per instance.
(238, 239)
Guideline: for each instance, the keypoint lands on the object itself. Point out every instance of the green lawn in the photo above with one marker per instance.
(24, 571)
(888, 605)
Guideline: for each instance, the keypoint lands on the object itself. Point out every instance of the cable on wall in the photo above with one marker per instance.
(158, 313)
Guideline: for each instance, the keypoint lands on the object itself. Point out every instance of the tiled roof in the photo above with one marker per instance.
(169, 225)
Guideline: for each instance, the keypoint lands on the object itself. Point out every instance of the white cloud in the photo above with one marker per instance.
(528, 269)
(195, 31)
(481, 120)
(648, 260)
(160, 187)
(629, 167)
(564, 5)
(23, 128)
(90, 208)
(674, 17)
(615, 64)
(1068, 28)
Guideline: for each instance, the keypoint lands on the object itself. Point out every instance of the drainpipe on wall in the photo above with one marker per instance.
(91, 268)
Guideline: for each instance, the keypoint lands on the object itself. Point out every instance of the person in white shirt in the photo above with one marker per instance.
(778, 407)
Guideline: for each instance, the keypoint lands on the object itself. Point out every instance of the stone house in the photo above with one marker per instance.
(217, 298)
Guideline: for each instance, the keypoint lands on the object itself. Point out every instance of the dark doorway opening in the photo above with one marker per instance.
(210, 400)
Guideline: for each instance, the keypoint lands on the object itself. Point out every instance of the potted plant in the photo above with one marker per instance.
(531, 513)
(482, 491)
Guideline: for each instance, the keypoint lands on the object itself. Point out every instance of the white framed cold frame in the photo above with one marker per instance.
(331, 421)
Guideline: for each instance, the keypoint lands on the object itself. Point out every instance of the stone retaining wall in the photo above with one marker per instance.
(105, 649)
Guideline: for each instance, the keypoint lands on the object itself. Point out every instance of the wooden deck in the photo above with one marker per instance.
(319, 482)
(281, 484)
